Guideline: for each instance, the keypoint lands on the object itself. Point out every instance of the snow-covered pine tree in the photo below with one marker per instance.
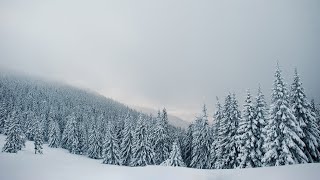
(306, 118)
(111, 149)
(161, 139)
(142, 150)
(30, 125)
(175, 158)
(3, 116)
(231, 118)
(15, 138)
(283, 143)
(37, 137)
(200, 142)
(248, 137)
(126, 144)
(187, 149)
(216, 148)
(261, 116)
(82, 145)
(54, 134)
(95, 145)
(70, 139)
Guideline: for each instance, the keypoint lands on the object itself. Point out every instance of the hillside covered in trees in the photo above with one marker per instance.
(255, 135)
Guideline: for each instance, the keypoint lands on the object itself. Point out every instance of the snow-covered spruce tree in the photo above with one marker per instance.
(248, 137)
(142, 150)
(231, 118)
(161, 139)
(111, 148)
(223, 134)
(200, 142)
(30, 125)
(261, 117)
(187, 149)
(81, 132)
(175, 158)
(216, 148)
(3, 116)
(70, 139)
(95, 146)
(283, 144)
(54, 134)
(126, 144)
(306, 118)
(15, 138)
(38, 137)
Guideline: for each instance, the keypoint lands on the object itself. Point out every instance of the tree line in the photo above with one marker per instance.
(284, 132)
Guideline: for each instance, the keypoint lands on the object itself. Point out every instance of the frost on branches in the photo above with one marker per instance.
(306, 119)
(283, 143)
(175, 158)
(248, 137)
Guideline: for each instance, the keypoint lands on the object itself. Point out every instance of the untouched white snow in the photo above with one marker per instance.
(58, 164)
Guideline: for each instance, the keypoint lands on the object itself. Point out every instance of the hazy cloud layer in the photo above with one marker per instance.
(177, 54)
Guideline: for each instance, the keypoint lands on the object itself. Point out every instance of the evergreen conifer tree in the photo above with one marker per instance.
(95, 146)
(126, 144)
(283, 143)
(111, 146)
(306, 119)
(216, 149)
(200, 142)
(38, 138)
(142, 150)
(231, 118)
(54, 134)
(261, 117)
(175, 158)
(161, 138)
(14, 140)
(248, 137)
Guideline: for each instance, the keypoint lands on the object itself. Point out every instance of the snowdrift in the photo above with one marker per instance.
(59, 164)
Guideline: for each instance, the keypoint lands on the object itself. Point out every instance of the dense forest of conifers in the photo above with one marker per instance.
(284, 132)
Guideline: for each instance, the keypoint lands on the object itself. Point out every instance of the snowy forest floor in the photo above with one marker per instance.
(59, 164)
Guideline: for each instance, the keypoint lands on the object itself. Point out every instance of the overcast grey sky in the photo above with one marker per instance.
(173, 53)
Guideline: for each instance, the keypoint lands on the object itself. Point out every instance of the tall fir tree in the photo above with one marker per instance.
(82, 138)
(187, 149)
(231, 118)
(15, 139)
(161, 138)
(248, 137)
(143, 153)
(200, 142)
(216, 148)
(302, 110)
(30, 125)
(283, 143)
(111, 148)
(38, 137)
(261, 117)
(70, 139)
(126, 144)
(3, 115)
(95, 146)
(175, 158)
(54, 134)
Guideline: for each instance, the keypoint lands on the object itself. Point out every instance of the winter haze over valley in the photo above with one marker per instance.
(165, 89)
